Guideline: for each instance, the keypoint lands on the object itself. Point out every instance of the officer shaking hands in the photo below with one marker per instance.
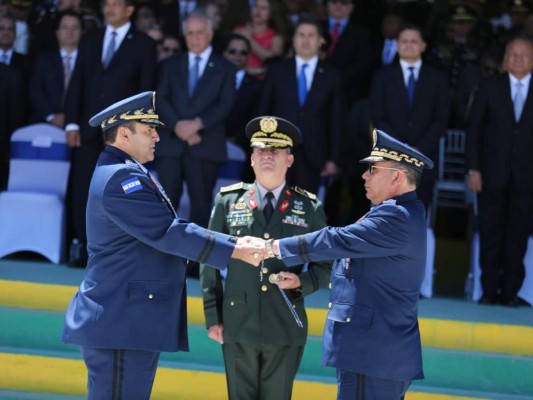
(261, 325)
(131, 304)
(371, 334)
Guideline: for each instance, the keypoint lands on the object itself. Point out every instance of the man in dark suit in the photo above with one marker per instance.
(248, 94)
(498, 158)
(196, 91)
(347, 47)
(52, 72)
(371, 335)
(410, 101)
(113, 63)
(308, 92)
(261, 339)
(132, 303)
(11, 114)
(8, 55)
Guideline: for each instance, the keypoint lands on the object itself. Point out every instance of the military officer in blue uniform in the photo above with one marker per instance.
(131, 304)
(371, 334)
(263, 329)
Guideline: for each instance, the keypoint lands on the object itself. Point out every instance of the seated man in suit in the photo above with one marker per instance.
(132, 302)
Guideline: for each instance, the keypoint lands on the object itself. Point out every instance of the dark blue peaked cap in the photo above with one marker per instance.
(272, 132)
(139, 108)
(387, 148)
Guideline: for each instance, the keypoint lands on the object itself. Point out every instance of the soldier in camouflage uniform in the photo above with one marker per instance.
(255, 323)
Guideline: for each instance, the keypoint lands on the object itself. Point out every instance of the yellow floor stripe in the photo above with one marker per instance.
(459, 335)
(62, 376)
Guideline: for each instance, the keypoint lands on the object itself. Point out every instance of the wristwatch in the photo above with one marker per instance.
(268, 248)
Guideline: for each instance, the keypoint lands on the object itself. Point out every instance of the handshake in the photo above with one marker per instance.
(254, 250)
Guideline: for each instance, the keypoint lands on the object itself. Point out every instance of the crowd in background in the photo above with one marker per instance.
(452, 46)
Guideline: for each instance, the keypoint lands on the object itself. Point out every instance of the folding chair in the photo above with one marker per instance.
(32, 210)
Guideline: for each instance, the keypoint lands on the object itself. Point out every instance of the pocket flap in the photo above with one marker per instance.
(352, 314)
(150, 291)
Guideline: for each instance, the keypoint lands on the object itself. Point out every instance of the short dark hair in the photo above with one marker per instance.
(69, 13)
(238, 36)
(128, 3)
(111, 134)
(309, 21)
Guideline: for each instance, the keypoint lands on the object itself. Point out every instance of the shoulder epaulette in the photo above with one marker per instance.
(303, 192)
(230, 188)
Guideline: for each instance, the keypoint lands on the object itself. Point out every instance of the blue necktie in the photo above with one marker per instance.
(302, 85)
(110, 50)
(194, 73)
(518, 101)
(411, 83)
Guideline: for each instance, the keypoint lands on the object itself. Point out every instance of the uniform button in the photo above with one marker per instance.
(239, 232)
(348, 319)
(265, 270)
(264, 288)
(329, 304)
(266, 235)
(232, 303)
(150, 296)
(330, 286)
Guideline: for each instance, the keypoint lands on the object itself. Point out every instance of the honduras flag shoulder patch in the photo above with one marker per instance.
(131, 185)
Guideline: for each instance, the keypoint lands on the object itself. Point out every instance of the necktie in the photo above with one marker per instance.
(268, 208)
(518, 101)
(388, 51)
(66, 71)
(302, 85)
(411, 83)
(194, 73)
(110, 52)
(334, 37)
(3, 59)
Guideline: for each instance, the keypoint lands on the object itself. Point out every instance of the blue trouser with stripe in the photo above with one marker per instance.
(119, 374)
(354, 386)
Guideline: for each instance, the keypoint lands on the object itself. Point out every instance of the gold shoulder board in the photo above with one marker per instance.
(304, 192)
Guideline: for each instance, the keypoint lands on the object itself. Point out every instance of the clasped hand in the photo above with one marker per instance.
(251, 250)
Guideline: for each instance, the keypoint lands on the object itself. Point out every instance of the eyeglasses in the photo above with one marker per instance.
(239, 52)
(372, 167)
(342, 2)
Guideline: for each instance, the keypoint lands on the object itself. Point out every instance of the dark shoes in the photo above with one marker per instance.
(77, 255)
(488, 300)
(508, 302)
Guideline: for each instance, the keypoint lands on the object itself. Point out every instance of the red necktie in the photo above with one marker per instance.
(334, 37)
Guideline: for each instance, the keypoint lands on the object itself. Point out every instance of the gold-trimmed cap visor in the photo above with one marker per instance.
(387, 148)
(139, 108)
(272, 132)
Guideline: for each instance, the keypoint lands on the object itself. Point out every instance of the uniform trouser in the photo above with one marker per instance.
(355, 386)
(119, 374)
(84, 160)
(261, 372)
(504, 222)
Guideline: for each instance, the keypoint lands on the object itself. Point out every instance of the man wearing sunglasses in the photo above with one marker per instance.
(371, 335)
(237, 52)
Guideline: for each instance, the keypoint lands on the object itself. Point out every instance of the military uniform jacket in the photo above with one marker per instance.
(372, 324)
(133, 295)
(253, 310)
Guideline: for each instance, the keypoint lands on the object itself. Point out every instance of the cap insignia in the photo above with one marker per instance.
(268, 124)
